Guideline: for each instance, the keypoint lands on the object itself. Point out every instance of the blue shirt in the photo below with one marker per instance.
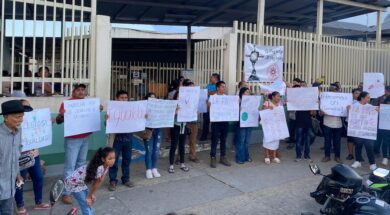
(211, 87)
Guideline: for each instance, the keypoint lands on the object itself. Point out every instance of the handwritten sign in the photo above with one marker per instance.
(188, 104)
(263, 63)
(126, 117)
(36, 129)
(202, 105)
(249, 112)
(374, 84)
(363, 121)
(224, 108)
(81, 116)
(161, 113)
(302, 98)
(278, 86)
(384, 117)
(335, 104)
(274, 124)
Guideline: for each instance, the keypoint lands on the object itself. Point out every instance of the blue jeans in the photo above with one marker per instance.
(303, 138)
(81, 198)
(6, 206)
(243, 137)
(76, 150)
(122, 145)
(219, 132)
(332, 136)
(37, 179)
(152, 149)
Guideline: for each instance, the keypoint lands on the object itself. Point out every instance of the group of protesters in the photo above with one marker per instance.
(82, 180)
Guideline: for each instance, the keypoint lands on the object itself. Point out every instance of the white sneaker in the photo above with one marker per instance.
(373, 167)
(276, 160)
(385, 161)
(267, 160)
(156, 174)
(356, 164)
(149, 174)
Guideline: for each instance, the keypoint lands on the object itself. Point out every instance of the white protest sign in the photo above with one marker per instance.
(224, 108)
(274, 124)
(161, 113)
(263, 63)
(125, 117)
(249, 112)
(278, 86)
(384, 117)
(374, 84)
(363, 121)
(36, 129)
(335, 104)
(81, 116)
(202, 105)
(188, 104)
(302, 98)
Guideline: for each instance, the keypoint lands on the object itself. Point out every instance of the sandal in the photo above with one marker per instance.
(42, 206)
(185, 169)
(171, 170)
(22, 212)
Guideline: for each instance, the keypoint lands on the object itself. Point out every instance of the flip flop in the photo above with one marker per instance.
(171, 170)
(22, 212)
(185, 169)
(42, 206)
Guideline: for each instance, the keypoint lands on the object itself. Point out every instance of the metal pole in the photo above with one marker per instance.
(260, 21)
(378, 28)
(189, 47)
(320, 12)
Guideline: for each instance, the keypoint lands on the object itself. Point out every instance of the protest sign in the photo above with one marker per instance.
(278, 86)
(161, 113)
(335, 104)
(81, 116)
(249, 111)
(224, 108)
(202, 105)
(125, 117)
(363, 121)
(263, 63)
(374, 84)
(274, 124)
(36, 129)
(384, 117)
(188, 104)
(302, 98)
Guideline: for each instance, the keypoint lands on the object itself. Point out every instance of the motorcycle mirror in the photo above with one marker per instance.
(56, 190)
(315, 169)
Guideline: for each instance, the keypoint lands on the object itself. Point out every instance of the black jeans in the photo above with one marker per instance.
(177, 137)
(379, 141)
(369, 145)
(219, 131)
(386, 143)
(291, 129)
(205, 126)
(332, 137)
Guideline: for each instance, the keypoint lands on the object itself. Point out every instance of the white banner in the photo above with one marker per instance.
(161, 113)
(249, 111)
(274, 124)
(335, 104)
(224, 108)
(188, 104)
(202, 105)
(384, 117)
(374, 84)
(36, 129)
(125, 117)
(263, 63)
(81, 116)
(302, 98)
(363, 121)
(278, 86)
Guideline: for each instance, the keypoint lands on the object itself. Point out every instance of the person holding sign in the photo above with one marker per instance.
(122, 144)
(76, 147)
(386, 138)
(211, 90)
(364, 99)
(219, 131)
(380, 136)
(350, 140)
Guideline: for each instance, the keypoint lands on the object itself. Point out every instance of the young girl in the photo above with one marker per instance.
(270, 148)
(152, 149)
(243, 136)
(92, 174)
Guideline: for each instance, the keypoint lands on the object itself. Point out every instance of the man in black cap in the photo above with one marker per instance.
(10, 149)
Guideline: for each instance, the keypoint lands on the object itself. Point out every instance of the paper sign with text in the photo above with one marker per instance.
(363, 121)
(224, 108)
(161, 113)
(36, 129)
(374, 84)
(302, 98)
(202, 105)
(335, 104)
(249, 111)
(126, 117)
(188, 104)
(274, 124)
(384, 117)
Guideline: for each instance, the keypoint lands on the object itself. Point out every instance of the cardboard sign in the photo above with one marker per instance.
(161, 113)
(249, 112)
(224, 108)
(126, 117)
(363, 121)
(374, 84)
(263, 63)
(384, 117)
(36, 129)
(302, 98)
(274, 124)
(335, 104)
(81, 116)
(202, 105)
(188, 104)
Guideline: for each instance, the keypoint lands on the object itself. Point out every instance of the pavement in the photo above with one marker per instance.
(250, 188)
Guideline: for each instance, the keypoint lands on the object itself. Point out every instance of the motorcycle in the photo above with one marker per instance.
(379, 184)
(56, 191)
(341, 193)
